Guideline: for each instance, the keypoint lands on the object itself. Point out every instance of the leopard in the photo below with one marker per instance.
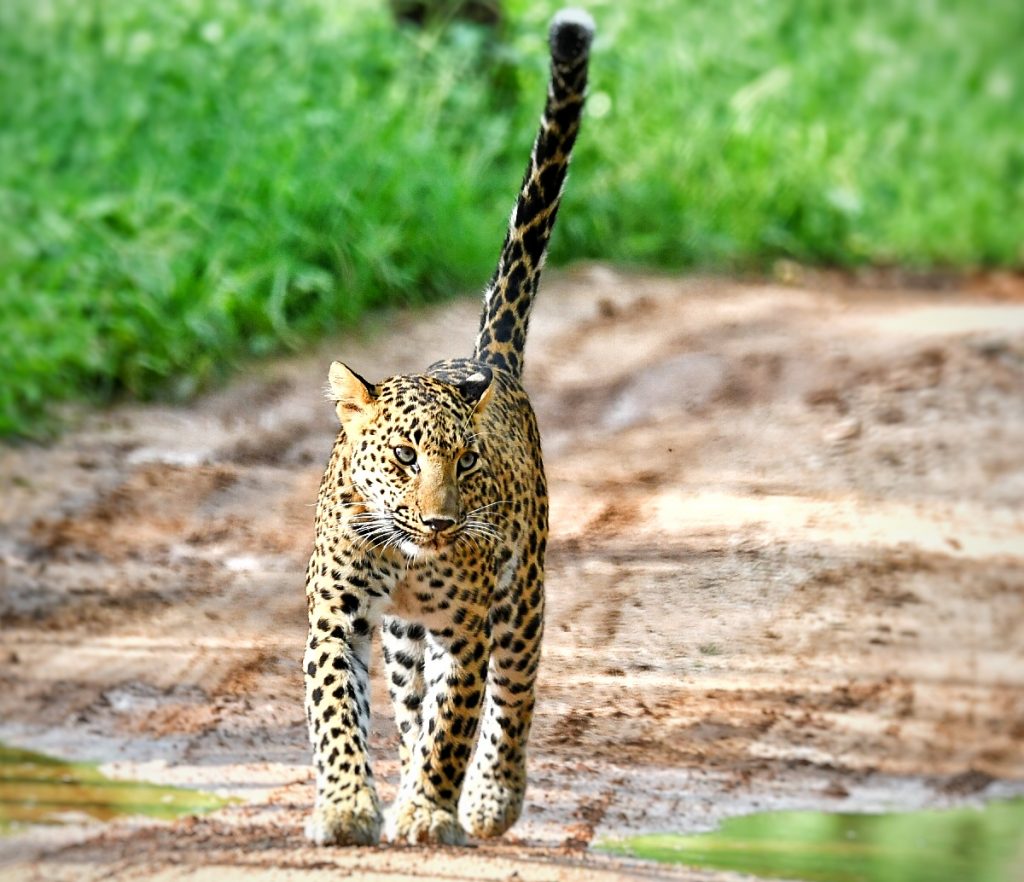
(431, 528)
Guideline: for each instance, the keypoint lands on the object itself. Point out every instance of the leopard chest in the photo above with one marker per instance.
(441, 594)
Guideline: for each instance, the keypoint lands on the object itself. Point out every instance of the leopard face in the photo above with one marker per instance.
(419, 464)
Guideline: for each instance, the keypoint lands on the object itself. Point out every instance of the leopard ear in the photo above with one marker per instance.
(477, 388)
(352, 393)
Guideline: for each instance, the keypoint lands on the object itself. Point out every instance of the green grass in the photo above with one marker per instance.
(186, 183)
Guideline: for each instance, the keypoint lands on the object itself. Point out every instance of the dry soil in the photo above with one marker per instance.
(786, 571)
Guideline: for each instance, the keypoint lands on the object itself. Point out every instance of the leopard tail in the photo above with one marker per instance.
(509, 295)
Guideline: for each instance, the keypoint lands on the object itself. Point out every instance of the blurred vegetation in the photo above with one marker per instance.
(188, 182)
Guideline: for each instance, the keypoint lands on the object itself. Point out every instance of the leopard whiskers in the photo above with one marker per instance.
(372, 541)
(488, 505)
(375, 529)
(479, 522)
(482, 529)
(334, 509)
(379, 532)
(468, 539)
(481, 518)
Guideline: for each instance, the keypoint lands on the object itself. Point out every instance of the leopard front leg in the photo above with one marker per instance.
(426, 809)
(496, 782)
(336, 666)
(403, 646)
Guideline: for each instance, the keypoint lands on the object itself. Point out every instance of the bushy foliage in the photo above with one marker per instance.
(189, 182)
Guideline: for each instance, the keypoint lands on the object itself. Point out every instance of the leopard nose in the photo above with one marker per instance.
(439, 524)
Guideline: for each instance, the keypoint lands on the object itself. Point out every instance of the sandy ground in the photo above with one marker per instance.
(786, 571)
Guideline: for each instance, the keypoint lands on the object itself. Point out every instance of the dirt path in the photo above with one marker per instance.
(787, 570)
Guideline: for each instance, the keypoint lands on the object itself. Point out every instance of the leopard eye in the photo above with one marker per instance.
(405, 454)
(468, 460)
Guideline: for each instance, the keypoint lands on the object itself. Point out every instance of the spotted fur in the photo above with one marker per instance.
(431, 524)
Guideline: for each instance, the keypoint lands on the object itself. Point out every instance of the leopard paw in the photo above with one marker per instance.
(488, 809)
(421, 821)
(355, 822)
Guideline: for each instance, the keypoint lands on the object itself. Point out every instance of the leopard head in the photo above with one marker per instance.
(417, 459)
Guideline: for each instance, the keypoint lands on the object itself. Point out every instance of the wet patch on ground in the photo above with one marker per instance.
(40, 789)
(984, 844)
